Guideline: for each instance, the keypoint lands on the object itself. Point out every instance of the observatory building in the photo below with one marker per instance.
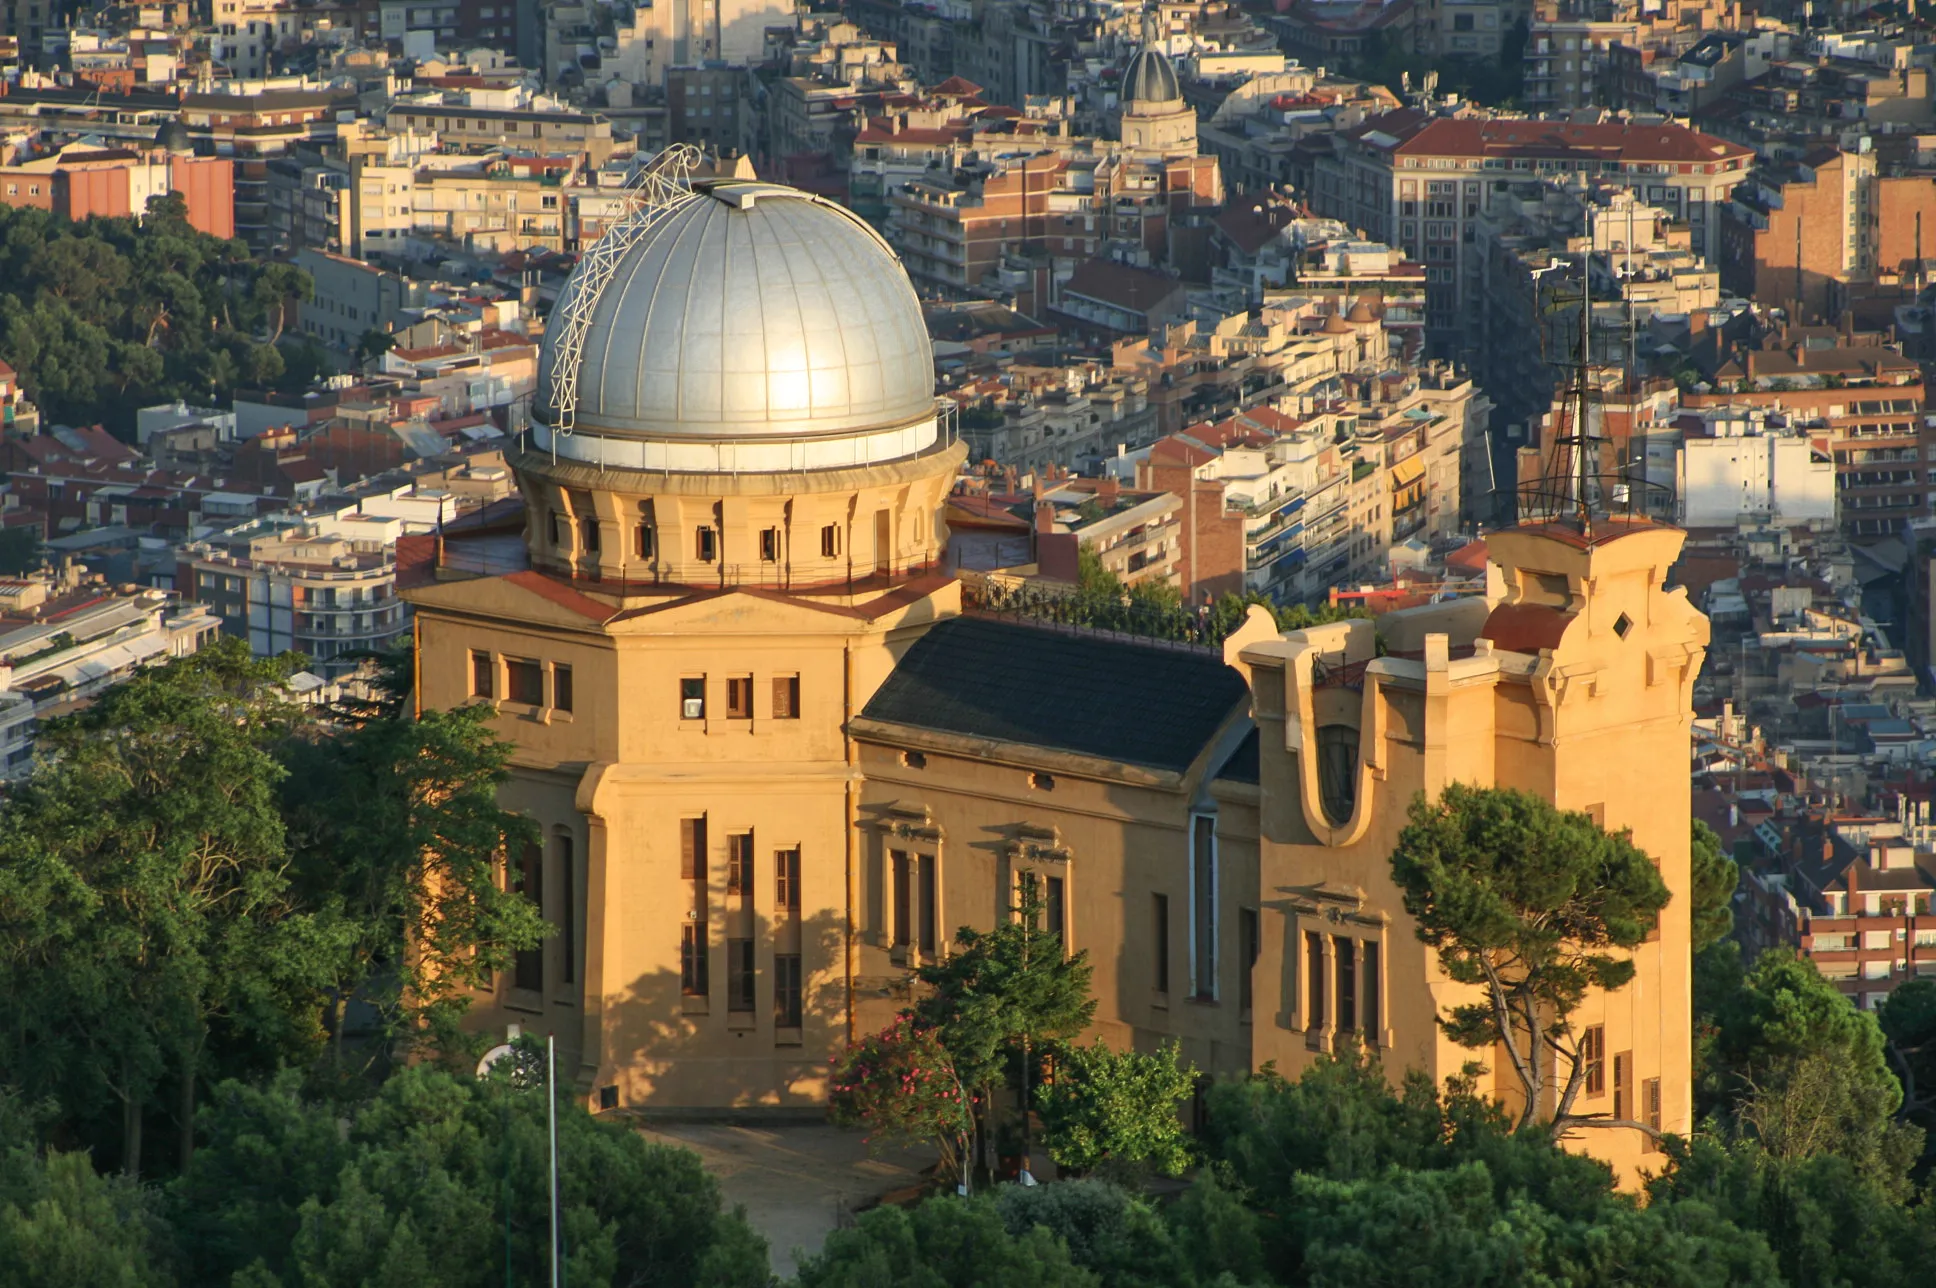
(774, 766)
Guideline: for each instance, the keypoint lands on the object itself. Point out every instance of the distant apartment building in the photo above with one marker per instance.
(64, 637)
(1420, 183)
(585, 135)
(80, 181)
(1861, 404)
(284, 585)
(1036, 539)
(1824, 232)
(353, 297)
(1567, 61)
(1866, 914)
(249, 35)
(495, 204)
(1465, 28)
(1070, 418)
(1741, 469)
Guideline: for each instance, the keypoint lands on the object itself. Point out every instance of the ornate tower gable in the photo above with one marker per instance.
(1576, 639)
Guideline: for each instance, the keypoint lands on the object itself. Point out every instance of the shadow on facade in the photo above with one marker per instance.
(683, 1051)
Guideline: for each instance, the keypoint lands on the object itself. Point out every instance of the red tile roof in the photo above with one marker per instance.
(1448, 137)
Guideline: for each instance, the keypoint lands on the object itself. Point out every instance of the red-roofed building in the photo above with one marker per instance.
(1419, 182)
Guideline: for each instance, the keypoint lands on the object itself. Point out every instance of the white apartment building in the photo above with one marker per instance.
(323, 588)
(63, 640)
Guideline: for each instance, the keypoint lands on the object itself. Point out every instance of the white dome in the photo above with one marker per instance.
(748, 312)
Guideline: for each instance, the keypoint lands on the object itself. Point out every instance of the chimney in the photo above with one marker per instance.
(1109, 491)
(1044, 516)
(1035, 485)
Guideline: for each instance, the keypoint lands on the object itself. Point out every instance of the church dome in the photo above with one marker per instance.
(746, 313)
(1150, 83)
(173, 136)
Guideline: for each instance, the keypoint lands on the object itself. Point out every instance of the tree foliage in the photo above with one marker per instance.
(1712, 878)
(444, 1180)
(1151, 609)
(1004, 995)
(144, 894)
(1117, 1107)
(111, 314)
(1793, 1066)
(899, 1086)
(1534, 905)
(410, 873)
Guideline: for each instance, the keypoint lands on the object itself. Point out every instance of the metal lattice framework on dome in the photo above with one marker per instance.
(660, 187)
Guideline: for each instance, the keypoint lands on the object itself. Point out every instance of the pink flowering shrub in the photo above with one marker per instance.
(900, 1086)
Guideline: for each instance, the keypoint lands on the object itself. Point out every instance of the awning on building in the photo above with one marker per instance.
(1407, 472)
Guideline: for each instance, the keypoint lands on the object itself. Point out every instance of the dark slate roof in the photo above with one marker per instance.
(1241, 767)
(1150, 79)
(1142, 704)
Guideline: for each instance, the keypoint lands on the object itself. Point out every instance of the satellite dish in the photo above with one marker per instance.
(501, 1051)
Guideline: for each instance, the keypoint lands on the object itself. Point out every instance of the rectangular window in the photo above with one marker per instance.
(1650, 1111)
(786, 990)
(524, 681)
(706, 545)
(786, 697)
(925, 901)
(1160, 912)
(567, 909)
(483, 675)
(527, 970)
(561, 697)
(739, 864)
(739, 975)
(1342, 947)
(692, 959)
(769, 545)
(899, 862)
(588, 534)
(644, 541)
(1593, 1056)
(1055, 908)
(739, 697)
(1203, 905)
(786, 880)
(1370, 1003)
(557, 530)
(1622, 1084)
(1313, 980)
(1246, 954)
(830, 542)
(692, 698)
(692, 849)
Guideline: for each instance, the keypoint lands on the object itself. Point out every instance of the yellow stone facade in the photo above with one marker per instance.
(1572, 679)
(774, 767)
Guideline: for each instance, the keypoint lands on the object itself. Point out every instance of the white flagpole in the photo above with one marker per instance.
(551, 1111)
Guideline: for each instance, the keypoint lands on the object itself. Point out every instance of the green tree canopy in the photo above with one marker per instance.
(1117, 1107)
(943, 1243)
(443, 1181)
(1536, 906)
(408, 877)
(145, 908)
(108, 315)
(1712, 878)
(1794, 1066)
(1002, 995)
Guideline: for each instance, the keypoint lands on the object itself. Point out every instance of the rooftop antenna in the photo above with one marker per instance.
(657, 188)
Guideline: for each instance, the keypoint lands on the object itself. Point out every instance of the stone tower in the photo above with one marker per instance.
(1572, 679)
(731, 528)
